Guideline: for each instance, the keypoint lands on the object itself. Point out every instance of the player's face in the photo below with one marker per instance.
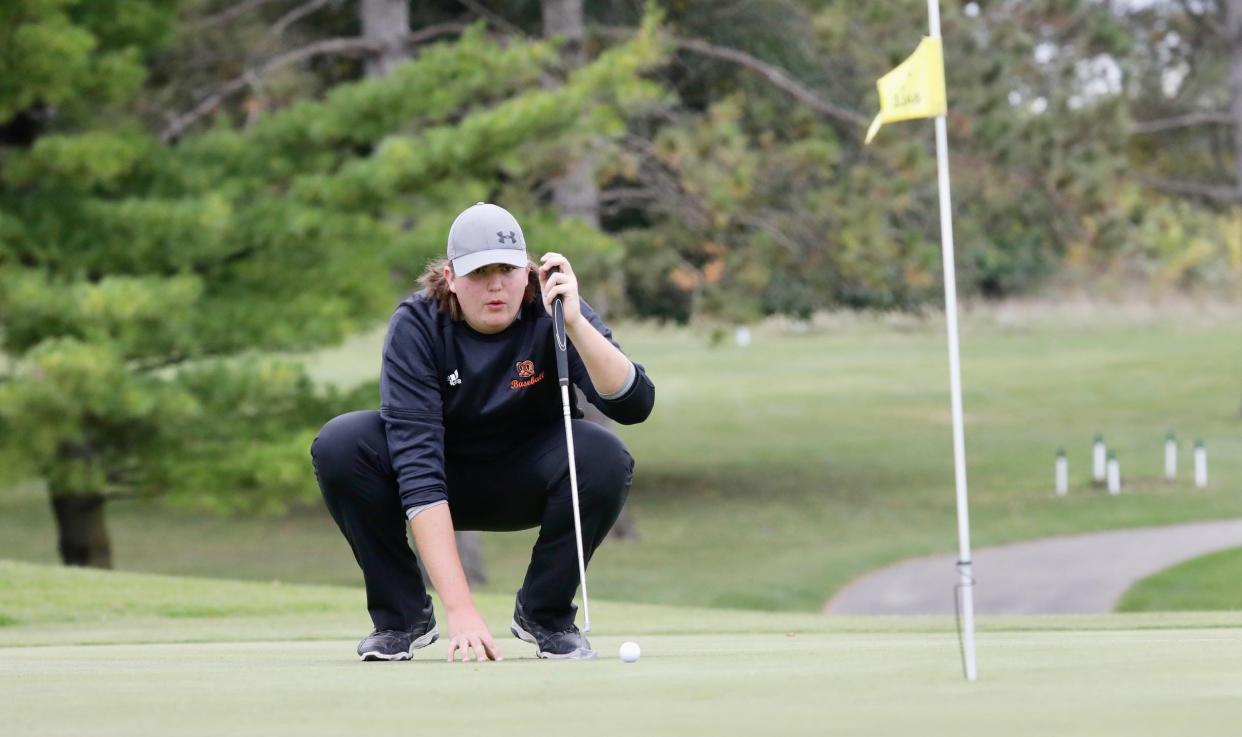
(490, 296)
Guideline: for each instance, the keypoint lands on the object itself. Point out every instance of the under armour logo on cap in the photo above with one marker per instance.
(485, 234)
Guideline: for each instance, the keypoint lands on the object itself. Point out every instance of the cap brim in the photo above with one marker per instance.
(472, 261)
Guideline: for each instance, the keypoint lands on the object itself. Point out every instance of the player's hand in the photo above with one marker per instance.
(468, 632)
(562, 284)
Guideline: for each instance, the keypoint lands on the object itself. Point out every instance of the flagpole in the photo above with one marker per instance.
(966, 582)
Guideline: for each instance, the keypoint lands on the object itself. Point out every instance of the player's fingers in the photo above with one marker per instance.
(555, 260)
(463, 647)
(564, 278)
(552, 280)
(493, 650)
(546, 284)
(477, 646)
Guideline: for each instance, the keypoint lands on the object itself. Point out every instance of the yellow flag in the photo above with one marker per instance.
(915, 89)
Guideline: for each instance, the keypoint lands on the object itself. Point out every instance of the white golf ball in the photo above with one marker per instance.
(630, 651)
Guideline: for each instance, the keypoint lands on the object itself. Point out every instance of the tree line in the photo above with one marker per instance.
(185, 185)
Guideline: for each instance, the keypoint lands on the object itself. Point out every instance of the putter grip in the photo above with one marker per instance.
(558, 333)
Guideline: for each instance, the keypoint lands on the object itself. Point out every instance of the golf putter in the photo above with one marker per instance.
(562, 375)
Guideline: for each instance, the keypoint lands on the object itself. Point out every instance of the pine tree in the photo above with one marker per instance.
(139, 280)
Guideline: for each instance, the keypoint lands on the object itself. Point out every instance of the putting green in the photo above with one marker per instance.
(109, 653)
(1063, 682)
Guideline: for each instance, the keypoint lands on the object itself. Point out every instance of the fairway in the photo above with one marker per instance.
(872, 680)
(851, 470)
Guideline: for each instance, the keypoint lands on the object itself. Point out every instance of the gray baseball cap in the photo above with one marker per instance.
(485, 234)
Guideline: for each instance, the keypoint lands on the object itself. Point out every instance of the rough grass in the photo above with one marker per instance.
(1208, 583)
(768, 477)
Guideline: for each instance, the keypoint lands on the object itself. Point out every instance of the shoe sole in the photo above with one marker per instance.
(525, 636)
(418, 644)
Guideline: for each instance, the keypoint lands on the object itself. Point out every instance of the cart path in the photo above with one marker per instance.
(1085, 573)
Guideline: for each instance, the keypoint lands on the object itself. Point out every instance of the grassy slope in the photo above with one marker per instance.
(1209, 583)
(770, 476)
(807, 460)
(220, 660)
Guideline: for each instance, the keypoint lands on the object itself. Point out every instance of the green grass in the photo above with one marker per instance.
(770, 476)
(279, 660)
(1122, 683)
(36, 594)
(1207, 583)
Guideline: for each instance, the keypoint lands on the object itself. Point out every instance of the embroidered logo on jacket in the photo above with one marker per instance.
(526, 375)
(453, 379)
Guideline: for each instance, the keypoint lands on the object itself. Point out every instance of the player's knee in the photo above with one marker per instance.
(610, 464)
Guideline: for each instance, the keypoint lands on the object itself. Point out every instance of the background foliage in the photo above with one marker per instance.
(186, 185)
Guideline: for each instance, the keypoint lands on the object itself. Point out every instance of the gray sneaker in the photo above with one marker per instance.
(563, 644)
(398, 644)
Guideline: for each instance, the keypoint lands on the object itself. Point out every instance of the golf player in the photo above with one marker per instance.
(470, 435)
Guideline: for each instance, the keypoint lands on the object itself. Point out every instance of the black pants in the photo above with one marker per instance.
(527, 486)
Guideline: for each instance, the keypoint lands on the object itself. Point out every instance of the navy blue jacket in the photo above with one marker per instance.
(446, 389)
